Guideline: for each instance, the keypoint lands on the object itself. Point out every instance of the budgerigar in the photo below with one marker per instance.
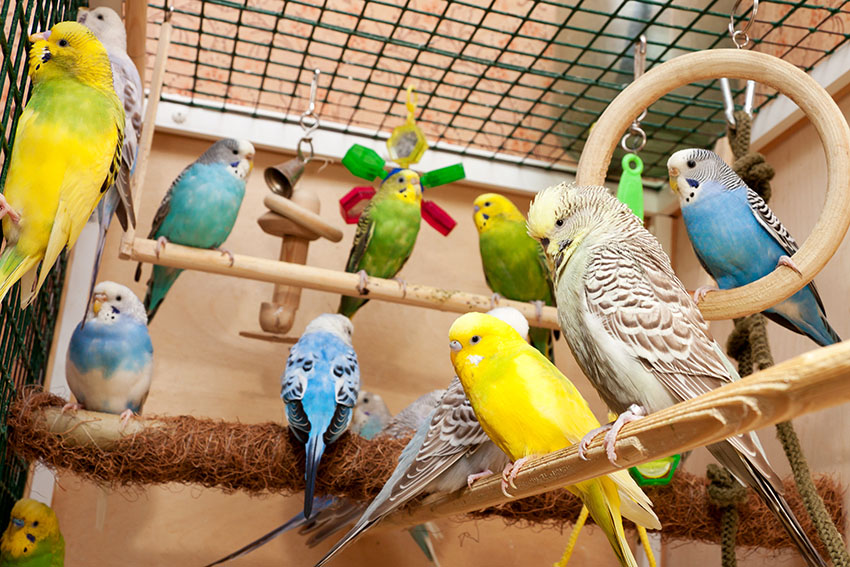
(67, 152)
(634, 330)
(529, 408)
(738, 239)
(386, 233)
(448, 451)
(110, 357)
(32, 538)
(109, 29)
(320, 386)
(513, 261)
(199, 209)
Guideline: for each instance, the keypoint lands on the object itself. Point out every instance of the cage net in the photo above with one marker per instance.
(25, 335)
(515, 81)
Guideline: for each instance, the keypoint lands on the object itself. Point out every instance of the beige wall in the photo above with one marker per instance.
(204, 368)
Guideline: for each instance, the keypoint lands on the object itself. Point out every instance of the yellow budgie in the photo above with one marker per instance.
(528, 407)
(67, 152)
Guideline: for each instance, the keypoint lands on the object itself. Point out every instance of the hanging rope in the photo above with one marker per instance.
(748, 344)
(727, 494)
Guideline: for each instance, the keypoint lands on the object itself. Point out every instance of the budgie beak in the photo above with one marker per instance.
(674, 177)
(99, 300)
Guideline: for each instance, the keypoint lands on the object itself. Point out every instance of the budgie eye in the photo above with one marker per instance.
(235, 152)
(559, 222)
(63, 43)
(401, 179)
(475, 339)
(487, 204)
(35, 524)
(118, 298)
(100, 16)
(692, 164)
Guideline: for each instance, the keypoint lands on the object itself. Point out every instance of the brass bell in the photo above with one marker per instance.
(282, 178)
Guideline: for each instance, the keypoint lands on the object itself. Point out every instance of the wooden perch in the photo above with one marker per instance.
(265, 458)
(322, 279)
(302, 216)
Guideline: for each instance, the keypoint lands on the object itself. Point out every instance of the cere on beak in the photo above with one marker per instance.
(45, 35)
(455, 346)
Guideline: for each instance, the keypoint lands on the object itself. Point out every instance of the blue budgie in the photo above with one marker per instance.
(109, 29)
(320, 386)
(110, 358)
(331, 514)
(199, 209)
(449, 451)
(738, 239)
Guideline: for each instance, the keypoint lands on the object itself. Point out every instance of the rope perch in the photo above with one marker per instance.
(264, 458)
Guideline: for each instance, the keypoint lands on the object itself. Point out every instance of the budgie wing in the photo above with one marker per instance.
(643, 306)
(346, 373)
(777, 230)
(128, 86)
(299, 366)
(362, 236)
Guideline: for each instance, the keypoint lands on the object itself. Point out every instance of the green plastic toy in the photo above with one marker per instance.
(630, 190)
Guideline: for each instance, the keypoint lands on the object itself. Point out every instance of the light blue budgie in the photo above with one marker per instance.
(320, 386)
(449, 451)
(199, 209)
(331, 514)
(109, 29)
(738, 239)
(110, 358)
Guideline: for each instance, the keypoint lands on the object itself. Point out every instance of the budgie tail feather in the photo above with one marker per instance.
(603, 501)
(162, 278)
(13, 265)
(315, 450)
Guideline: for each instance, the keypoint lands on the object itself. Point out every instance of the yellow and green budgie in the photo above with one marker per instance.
(386, 233)
(528, 408)
(514, 265)
(33, 538)
(66, 154)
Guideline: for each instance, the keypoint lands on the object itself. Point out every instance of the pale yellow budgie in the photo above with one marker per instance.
(67, 152)
(529, 408)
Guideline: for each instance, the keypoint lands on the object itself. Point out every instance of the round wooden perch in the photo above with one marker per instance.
(812, 99)
(265, 458)
(295, 211)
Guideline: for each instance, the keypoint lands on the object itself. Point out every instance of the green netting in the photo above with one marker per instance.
(25, 336)
(518, 81)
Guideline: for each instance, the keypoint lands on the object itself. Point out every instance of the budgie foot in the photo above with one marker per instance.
(126, 415)
(633, 413)
(473, 477)
(403, 285)
(6, 209)
(72, 406)
(588, 439)
(361, 285)
(538, 309)
(789, 263)
(494, 300)
(509, 474)
(702, 291)
(160, 245)
(228, 253)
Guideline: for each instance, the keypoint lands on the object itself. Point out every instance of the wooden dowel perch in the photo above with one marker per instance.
(264, 457)
(322, 279)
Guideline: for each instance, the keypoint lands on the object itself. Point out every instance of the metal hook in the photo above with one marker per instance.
(740, 37)
(309, 120)
(729, 103)
(635, 129)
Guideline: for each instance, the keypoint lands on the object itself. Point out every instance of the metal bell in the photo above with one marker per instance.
(282, 178)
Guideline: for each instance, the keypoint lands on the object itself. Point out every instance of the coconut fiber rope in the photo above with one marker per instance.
(264, 458)
(748, 344)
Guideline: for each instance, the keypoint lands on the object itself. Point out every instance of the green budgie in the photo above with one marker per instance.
(513, 261)
(386, 233)
(33, 538)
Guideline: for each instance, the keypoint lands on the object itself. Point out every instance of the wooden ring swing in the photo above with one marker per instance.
(815, 103)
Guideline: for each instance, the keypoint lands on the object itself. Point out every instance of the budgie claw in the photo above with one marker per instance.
(126, 415)
(473, 477)
(505, 473)
(72, 406)
(6, 209)
(588, 439)
(494, 300)
(228, 253)
(510, 472)
(633, 413)
(789, 263)
(538, 309)
(701, 292)
(160, 244)
(361, 285)
(403, 285)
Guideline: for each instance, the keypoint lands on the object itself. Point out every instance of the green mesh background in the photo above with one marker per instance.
(513, 80)
(25, 336)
